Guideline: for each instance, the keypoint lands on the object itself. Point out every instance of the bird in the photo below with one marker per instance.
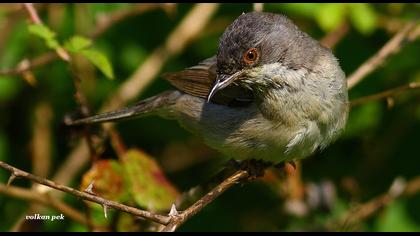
(270, 93)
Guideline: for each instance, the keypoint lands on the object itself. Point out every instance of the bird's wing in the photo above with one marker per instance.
(196, 80)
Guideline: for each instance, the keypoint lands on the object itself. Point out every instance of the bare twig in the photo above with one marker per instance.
(385, 94)
(32, 13)
(86, 196)
(27, 65)
(44, 199)
(178, 220)
(331, 39)
(399, 188)
(390, 48)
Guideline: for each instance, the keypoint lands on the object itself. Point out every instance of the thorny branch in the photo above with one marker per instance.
(171, 222)
(178, 220)
(15, 173)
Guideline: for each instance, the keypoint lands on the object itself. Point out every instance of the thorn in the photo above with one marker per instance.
(390, 102)
(105, 207)
(89, 188)
(10, 180)
(173, 211)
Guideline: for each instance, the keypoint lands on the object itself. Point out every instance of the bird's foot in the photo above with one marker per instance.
(282, 165)
(255, 168)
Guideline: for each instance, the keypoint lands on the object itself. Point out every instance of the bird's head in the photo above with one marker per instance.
(253, 45)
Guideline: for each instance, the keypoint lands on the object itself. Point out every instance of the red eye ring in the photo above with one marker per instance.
(251, 56)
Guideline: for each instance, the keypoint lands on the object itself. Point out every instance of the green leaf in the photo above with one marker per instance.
(77, 43)
(330, 16)
(100, 61)
(363, 17)
(148, 184)
(45, 33)
(396, 219)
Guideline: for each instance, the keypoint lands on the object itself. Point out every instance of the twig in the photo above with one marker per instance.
(36, 20)
(331, 39)
(385, 94)
(86, 196)
(27, 65)
(32, 13)
(172, 221)
(399, 188)
(178, 220)
(44, 199)
(390, 48)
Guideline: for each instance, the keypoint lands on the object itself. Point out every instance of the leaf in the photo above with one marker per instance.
(45, 33)
(330, 15)
(148, 184)
(100, 61)
(396, 219)
(108, 180)
(363, 17)
(77, 43)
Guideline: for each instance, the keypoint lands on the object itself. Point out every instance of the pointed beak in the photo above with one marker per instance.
(222, 81)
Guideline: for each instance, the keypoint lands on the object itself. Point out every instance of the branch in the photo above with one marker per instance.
(385, 94)
(390, 48)
(399, 188)
(331, 39)
(171, 222)
(178, 219)
(86, 196)
(26, 65)
(45, 199)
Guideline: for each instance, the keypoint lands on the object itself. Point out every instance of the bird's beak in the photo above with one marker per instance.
(222, 81)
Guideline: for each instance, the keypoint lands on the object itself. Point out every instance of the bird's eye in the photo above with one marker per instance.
(251, 56)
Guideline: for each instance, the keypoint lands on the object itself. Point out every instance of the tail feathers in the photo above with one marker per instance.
(146, 107)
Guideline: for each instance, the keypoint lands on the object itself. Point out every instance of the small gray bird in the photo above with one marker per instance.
(271, 93)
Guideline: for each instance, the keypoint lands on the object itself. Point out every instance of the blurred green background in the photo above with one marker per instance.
(379, 147)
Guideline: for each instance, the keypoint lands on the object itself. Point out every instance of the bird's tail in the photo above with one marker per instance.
(145, 107)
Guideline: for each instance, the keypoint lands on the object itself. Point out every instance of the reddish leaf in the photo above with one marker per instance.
(148, 184)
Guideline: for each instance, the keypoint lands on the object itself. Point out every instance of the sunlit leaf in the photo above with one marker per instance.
(45, 33)
(77, 43)
(363, 17)
(330, 15)
(100, 61)
(396, 219)
(148, 184)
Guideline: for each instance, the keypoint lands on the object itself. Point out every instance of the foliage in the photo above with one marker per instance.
(163, 160)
